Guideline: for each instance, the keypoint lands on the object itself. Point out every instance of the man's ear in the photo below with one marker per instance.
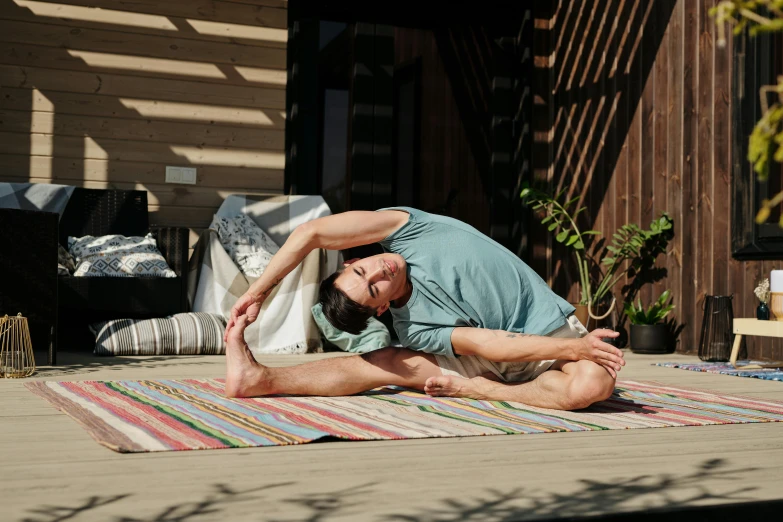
(351, 261)
(382, 308)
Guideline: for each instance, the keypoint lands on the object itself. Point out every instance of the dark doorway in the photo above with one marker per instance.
(421, 107)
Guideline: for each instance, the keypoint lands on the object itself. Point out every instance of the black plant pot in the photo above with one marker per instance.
(649, 338)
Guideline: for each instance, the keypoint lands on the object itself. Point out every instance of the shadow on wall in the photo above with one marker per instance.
(670, 495)
(592, 63)
(108, 97)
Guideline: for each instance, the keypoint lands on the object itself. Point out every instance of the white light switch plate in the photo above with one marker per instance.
(186, 175)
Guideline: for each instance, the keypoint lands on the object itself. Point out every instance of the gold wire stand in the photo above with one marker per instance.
(16, 349)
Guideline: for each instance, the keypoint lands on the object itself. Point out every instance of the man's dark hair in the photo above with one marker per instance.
(343, 312)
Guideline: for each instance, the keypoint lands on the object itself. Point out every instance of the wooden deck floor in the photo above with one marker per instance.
(53, 470)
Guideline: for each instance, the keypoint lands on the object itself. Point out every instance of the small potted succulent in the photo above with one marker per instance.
(648, 333)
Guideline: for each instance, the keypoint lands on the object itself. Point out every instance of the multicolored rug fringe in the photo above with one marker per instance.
(166, 415)
(768, 374)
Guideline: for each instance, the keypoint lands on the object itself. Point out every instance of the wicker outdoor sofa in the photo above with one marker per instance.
(83, 300)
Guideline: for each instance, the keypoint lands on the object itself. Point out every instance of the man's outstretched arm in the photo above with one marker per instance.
(501, 346)
(336, 232)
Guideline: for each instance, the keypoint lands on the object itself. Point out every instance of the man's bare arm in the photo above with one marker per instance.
(337, 232)
(502, 346)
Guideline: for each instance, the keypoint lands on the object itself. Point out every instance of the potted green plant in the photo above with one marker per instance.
(631, 249)
(648, 331)
(560, 217)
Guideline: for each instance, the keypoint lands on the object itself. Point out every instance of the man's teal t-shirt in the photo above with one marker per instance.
(461, 277)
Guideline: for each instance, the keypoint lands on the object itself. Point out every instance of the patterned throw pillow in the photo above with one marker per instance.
(118, 256)
(247, 243)
(181, 334)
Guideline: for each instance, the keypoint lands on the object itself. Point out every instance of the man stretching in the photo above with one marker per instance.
(475, 320)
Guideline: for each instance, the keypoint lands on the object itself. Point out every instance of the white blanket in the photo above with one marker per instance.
(285, 324)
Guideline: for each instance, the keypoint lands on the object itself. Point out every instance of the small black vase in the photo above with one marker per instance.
(762, 312)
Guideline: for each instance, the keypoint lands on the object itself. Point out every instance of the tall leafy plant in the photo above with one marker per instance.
(560, 217)
(631, 250)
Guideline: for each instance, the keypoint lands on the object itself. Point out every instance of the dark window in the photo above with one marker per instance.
(757, 62)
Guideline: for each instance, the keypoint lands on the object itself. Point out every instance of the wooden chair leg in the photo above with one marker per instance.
(735, 350)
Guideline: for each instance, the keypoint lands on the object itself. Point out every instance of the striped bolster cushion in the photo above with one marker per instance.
(181, 334)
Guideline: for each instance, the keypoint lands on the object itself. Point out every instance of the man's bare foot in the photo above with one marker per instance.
(244, 376)
(450, 386)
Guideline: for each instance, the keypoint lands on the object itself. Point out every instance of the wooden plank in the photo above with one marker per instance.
(74, 38)
(196, 134)
(139, 66)
(620, 77)
(752, 272)
(748, 326)
(647, 172)
(674, 166)
(269, 3)
(209, 10)
(44, 450)
(135, 108)
(123, 150)
(71, 171)
(635, 132)
(142, 23)
(168, 195)
(660, 174)
(591, 101)
(602, 87)
(706, 173)
(721, 186)
(692, 301)
(160, 89)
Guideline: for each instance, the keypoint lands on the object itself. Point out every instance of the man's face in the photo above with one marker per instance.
(374, 281)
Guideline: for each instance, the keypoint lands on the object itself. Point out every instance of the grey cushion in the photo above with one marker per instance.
(181, 334)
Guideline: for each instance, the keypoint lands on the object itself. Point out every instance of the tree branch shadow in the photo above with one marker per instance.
(670, 491)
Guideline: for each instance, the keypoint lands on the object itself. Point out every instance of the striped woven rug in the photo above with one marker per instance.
(141, 416)
(767, 374)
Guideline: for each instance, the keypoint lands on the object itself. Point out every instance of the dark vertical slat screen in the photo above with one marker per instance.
(637, 116)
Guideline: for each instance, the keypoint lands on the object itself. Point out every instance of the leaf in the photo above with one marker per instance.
(579, 245)
(552, 227)
(525, 193)
(763, 215)
(562, 236)
(607, 261)
(572, 240)
(547, 219)
(591, 233)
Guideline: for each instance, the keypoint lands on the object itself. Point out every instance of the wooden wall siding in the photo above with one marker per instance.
(448, 158)
(633, 114)
(102, 93)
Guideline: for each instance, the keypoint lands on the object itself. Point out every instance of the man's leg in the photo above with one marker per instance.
(328, 377)
(568, 385)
